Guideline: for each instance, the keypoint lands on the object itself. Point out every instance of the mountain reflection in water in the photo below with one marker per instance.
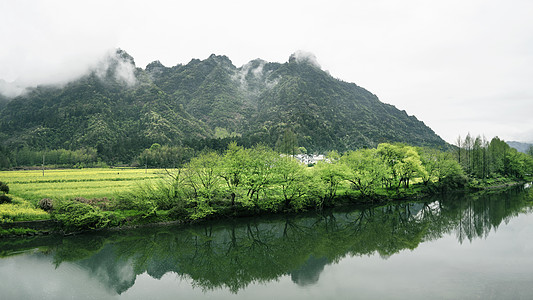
(234, 254)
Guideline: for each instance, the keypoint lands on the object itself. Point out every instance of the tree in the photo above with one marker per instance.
(233, 168)
(158, 156)
(468, 145)
(201, 176)
(258, 175)
(430, 160)
(459, 148)
(288, 144)
(404, 163)
(410, 166)
(366, 170)
(330, 175)
(290, 176)
(442, 169)
(497, 152)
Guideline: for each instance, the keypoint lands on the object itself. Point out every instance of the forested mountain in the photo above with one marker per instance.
(120, 109)
(521, 147)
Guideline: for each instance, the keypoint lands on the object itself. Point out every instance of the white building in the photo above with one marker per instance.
(310, 159)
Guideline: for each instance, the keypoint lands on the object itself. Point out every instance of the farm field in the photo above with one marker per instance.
(32, 186)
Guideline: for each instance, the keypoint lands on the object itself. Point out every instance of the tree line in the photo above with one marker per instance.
(483, 159)
(259, 179)
(25, 157)
(247, 181)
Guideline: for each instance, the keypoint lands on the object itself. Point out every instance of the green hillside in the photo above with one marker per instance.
(120, 109)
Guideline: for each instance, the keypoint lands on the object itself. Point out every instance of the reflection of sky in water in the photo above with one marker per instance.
(498, 266)
(35, 277)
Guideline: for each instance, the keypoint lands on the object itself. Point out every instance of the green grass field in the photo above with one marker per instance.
(28, 187)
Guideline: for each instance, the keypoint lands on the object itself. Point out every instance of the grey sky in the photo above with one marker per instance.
(459, 66)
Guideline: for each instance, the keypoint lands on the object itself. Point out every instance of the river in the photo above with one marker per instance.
(450, 247)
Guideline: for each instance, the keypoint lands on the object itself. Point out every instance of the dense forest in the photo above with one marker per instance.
(120, 111)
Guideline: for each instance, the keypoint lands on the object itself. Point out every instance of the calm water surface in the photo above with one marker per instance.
(455, 247)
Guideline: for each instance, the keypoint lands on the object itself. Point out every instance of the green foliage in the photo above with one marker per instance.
(483, 160)
(291, 177)
(259, 179)
(367, 170)
(254, 180)
(150, 197)
(403, 164)
(75, 215)
(442, 169)
(158, 156)
(17, 232)
(329, 175)
(288, 143)
(232, 169)
(202, 178)
(61, 158)
(258, 176)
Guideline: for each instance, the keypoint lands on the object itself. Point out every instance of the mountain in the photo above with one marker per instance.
(121, 109)
(521, 147)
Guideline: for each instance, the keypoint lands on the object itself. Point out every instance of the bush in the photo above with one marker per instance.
(75, 215)
(4, 199)
(101, 203)
(4, 188)
(46, 204)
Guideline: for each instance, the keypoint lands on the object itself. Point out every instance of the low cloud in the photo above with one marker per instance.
(119, 65)
(10, 89)
(109, 63)
(304, 56)
(255, 67)
(52, 42)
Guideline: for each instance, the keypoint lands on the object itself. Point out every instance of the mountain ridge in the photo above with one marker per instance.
(121, 109)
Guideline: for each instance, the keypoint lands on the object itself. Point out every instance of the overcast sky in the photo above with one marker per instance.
(459, 66)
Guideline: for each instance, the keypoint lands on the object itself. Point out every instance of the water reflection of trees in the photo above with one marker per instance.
(234, 254)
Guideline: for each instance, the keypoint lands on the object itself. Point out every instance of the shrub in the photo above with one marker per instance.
(101, 203)
(5, 199)
(75, 215)
(46, 204)
(4, 188)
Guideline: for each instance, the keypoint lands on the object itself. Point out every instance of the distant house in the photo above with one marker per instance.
(309, 159)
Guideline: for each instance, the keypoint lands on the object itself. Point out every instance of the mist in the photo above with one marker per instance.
(122, 70)
(51, 43)
(304, 56)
